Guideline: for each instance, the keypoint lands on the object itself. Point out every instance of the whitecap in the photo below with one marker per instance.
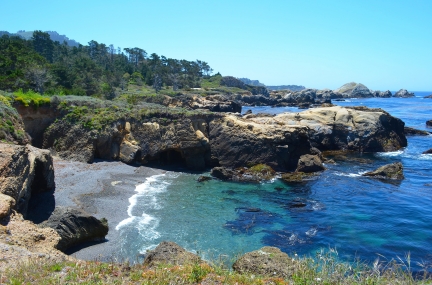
(350, 174)
(311, 232)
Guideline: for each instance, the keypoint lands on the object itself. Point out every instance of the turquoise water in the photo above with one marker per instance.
(360, 217)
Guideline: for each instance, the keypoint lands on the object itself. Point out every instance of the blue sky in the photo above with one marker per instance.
(320, 44)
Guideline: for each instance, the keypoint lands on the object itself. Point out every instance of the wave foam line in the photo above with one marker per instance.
(150, 187)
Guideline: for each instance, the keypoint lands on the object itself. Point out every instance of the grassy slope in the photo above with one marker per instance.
(324, 269)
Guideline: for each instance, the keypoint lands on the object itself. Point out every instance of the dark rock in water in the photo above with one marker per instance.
(339, 100)
(309, 163)
(429, 151)
(229, 192)
(267, 261)
(403, 93)
(204, 178)
(296, 177)
(429, 96)
(75, 226)
(222, 173)
(170, 253)
(330, 161)
(279, 188)
(429, 123)
(412, 132)
(254, 174)
(389, 171)
(248, 112)
(297, 204)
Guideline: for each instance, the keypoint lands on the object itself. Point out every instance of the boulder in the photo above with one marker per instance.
(382, 94)
(429, 151)
(429, 123)
(309, 163)
(128, 152)
(429, 96)
(414, 132)
(267, 261)
(170, 253)
(75, 226)
(222, 173)
(389, 171)
(403, 93)
(6, 205)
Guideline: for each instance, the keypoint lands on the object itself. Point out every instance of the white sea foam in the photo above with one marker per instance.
(391, 153)
(146, 190)
(350, 174)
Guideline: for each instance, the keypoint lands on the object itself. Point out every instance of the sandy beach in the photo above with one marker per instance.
(102, 189)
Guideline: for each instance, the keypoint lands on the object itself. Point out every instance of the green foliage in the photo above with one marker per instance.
(5, 101)
(212, 82)
(31, 98)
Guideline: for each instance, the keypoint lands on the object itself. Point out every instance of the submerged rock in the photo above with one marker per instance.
(414, 132)
(389, 171)
(170, 253)
(267, 261)
(75, 226)
(309, 163)
(203, 178)
(403, 93)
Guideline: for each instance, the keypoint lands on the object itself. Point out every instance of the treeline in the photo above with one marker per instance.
(51, 67)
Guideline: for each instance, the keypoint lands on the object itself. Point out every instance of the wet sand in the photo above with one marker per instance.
(102, 189)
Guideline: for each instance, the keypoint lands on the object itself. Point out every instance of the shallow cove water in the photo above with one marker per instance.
(361, 217)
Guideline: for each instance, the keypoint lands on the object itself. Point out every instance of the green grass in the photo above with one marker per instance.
(212, 82)
(31, 98)
(324, 268)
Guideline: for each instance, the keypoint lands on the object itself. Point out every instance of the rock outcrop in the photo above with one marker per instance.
(24, 170)
(170, 253)
(352, 128)
(403, 93)
(236, 142)
(22, 241)
(354, 90)
(75, 226)
(392, 171)
(429, 151)
(429, 123)
(267, 261)
(6, 205)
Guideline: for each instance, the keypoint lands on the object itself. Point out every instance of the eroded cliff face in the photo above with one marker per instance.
(25, 170)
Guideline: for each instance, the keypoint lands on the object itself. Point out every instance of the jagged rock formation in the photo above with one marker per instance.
(24, 170)
(267, 261)
(75, 227)
(255, 173)
(389, 171)
(403, 93)
(170, 253)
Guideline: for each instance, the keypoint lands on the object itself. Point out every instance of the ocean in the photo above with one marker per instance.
(361, 218)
